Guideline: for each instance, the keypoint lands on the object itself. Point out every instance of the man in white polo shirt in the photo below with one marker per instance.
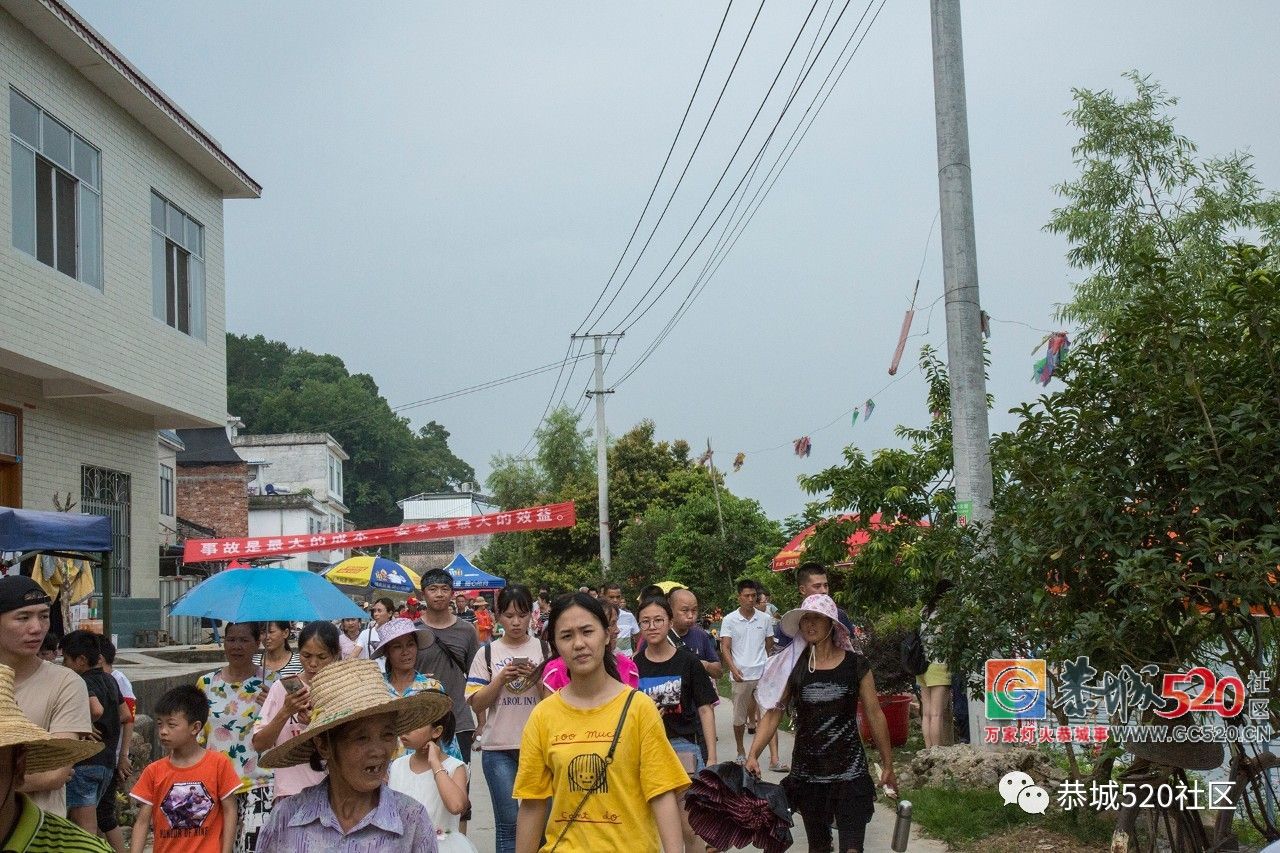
(745, 643)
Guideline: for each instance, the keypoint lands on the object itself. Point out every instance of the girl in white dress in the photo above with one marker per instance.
(436, 780)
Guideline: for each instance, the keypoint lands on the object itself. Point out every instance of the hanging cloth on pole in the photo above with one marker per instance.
(903, 334)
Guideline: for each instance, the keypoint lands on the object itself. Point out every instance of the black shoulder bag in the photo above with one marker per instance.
(601, 779)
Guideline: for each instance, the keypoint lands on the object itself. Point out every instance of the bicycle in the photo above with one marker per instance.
(1147, 826)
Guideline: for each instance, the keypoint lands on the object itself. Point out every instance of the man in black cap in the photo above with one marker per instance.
(51, 696)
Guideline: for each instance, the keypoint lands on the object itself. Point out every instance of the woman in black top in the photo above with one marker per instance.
(829, 781)
(676, 681)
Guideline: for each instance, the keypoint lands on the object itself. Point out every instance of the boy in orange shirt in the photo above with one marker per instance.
(190, 792)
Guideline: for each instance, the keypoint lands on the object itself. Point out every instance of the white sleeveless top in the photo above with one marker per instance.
(422, 787)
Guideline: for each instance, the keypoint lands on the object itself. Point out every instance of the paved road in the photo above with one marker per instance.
(879, 832)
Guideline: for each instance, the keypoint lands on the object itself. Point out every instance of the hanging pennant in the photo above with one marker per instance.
(867, 408)
(738, 460)
(854, 420)
(803, 446)
(1056, 351)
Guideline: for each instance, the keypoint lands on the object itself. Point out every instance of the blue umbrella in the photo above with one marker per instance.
(261, 595)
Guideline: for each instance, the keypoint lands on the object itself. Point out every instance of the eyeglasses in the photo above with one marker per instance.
(653, 623)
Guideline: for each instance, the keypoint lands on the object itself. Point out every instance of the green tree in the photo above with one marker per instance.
(1143, 194)
(274, 388)
(1138, 519)
(910, 484)
(661, 504)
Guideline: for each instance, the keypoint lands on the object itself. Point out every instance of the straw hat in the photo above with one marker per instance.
(351, 690)
(823, 605)
(394, 629)
(44, 752)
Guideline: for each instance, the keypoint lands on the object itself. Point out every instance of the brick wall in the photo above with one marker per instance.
(215, 496)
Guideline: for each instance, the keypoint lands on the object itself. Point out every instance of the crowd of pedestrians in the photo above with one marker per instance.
(361, 737)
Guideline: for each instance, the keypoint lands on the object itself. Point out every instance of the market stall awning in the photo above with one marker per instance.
(467, 576)
(33, 530)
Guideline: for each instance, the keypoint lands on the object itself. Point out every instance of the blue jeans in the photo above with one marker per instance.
(88, 784)
(500, 773)
(680, 744)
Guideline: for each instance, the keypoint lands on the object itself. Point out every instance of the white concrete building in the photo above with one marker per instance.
(436, 554)
(295, 489)
(111, 283)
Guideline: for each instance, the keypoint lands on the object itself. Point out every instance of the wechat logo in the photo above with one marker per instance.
(1018, 787)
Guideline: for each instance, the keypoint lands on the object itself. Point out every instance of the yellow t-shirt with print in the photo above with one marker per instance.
(562, 757)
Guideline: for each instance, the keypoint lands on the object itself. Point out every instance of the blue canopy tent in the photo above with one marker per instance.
(59, 534)
(467, 576)
(27, 530)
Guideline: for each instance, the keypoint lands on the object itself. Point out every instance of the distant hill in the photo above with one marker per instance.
(273, 388)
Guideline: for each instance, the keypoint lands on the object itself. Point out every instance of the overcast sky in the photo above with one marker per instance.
(447, 188)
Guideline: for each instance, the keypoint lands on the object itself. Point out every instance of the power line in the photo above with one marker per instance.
(665, 161)
(623, 324)
(450, 395)
(671, 197)
(770, 179)
(688, 107)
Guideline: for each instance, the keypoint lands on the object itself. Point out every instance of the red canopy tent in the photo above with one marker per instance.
(793, 554)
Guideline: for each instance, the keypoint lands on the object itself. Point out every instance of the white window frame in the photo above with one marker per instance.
(168, 493)
(177, 243)
(335, 476)
(81, 164)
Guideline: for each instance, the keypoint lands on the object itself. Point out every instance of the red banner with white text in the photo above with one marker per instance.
(255, 547)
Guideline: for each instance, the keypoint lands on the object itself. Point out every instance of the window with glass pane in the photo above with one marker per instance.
(177, 249)
(166, 490)
(57, 202)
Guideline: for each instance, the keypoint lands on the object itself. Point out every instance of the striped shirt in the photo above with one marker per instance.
(292, 667)
(37, 831)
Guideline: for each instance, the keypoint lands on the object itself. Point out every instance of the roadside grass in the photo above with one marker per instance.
(960, 816)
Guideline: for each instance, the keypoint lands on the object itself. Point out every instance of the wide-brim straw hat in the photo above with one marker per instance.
(823, 605)
(44, 751)
(394, 629)
(351, 690)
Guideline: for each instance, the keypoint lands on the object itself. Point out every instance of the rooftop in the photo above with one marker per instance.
(80, 45)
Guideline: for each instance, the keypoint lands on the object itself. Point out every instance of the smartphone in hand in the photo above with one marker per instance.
(292, 683)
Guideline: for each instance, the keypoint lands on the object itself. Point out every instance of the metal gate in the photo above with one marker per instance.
(106, 492)
(183, 630)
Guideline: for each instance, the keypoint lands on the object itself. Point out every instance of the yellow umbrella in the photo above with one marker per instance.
(667, 586)
(374, 573)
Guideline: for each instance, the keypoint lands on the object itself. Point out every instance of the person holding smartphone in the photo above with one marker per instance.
(287, 709)
(503, 682)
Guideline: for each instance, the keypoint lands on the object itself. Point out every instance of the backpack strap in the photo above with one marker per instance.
(488, 658)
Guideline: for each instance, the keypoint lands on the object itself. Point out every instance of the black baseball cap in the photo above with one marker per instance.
(18, 591)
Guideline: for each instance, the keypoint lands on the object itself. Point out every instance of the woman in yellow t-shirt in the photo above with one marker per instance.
(564, 783)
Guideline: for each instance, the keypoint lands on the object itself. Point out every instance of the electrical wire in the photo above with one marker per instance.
(658, 180)
(671, 197)
(623, 323)
(652, 191)
(766, 186)
(450, 395)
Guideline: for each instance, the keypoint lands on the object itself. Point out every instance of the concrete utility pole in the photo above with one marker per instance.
(970, 432)
(602, 452)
